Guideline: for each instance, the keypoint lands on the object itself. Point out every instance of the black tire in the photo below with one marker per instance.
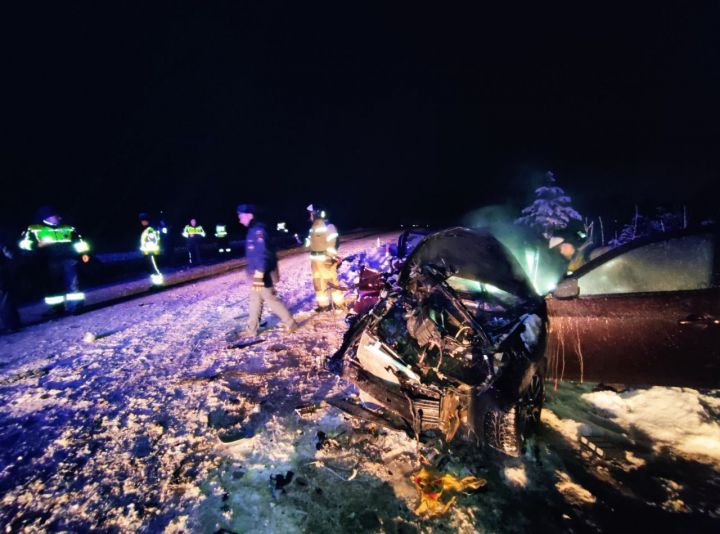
(502, 431)
(507, 430)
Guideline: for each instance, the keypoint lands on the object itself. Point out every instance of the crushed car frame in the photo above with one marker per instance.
(460, 344)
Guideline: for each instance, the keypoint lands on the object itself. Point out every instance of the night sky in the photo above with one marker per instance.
(387, 114)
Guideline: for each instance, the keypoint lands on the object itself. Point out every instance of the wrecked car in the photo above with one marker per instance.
(373, 276)
(459, 343)
(456, 345)
(645, 313)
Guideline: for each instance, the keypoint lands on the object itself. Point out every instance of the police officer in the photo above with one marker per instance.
(323, 242)
(193, 234)
(262, 271)
(60, 248)
(150, 248)
(222, 239)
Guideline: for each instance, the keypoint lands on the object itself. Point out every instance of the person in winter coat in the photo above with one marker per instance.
(222, 239)
(60, 248)
(150, 247)
(194, 234)
(262, 271)
(9, 318)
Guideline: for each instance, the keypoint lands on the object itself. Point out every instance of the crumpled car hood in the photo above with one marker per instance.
(471, 254)
(453, 344)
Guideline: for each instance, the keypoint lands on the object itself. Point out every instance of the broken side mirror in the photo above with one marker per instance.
(567, 289)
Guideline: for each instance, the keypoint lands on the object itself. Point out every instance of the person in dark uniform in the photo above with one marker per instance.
(222, 239)
(262, 271)
(9, 317)
(194, 234)
(60, 248)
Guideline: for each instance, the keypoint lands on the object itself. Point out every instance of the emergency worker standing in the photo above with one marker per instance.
(323, 242)
(193, 234)
(222, 239)
(150, 248)
(571, 254)
(262, 270)
(60, 248)
(9, 318)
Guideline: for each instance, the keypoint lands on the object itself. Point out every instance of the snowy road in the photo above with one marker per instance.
(157, 426)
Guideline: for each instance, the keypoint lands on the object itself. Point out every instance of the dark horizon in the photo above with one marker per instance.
(386, 115)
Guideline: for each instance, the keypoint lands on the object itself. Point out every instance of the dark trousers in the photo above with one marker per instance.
(63, 280)
(193, 246)
(223, 244)
(9, 318)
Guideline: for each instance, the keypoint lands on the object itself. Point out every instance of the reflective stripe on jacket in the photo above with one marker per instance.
(323, 238)
(193, 231)
(150, 241)
(46, 235)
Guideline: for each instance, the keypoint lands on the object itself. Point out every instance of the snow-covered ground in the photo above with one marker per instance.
(152, 424)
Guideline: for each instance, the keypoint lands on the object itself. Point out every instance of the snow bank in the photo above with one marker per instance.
(568, 428)
(683, 420)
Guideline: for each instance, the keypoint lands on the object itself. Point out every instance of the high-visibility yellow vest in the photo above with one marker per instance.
(193, 231)
(150, 241)
(45, 235)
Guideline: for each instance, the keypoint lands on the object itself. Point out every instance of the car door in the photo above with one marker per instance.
(648, 313)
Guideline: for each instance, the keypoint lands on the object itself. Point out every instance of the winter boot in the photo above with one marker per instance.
(292, 327)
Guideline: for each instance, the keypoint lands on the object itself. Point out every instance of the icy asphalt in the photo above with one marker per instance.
(138, 417)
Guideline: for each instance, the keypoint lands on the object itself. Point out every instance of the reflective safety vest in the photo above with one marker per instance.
(220, 230)
(150, 241)
(322, 239)
(47, 235)
(193, 231)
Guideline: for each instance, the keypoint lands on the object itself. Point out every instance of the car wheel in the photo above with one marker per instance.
(507, 430)
(531, 403)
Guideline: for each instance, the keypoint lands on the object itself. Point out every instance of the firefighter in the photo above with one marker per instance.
(323, 242)
(60, 248)
(193, 234)
(262, 270)
(222, 239)
(150, 248)
(572, 250)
